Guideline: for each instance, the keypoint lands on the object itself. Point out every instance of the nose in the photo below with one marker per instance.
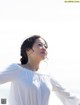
(44, 47)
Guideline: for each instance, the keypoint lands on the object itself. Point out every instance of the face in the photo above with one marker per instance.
(39, 50)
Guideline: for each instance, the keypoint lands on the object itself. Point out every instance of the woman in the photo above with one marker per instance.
(28, 87)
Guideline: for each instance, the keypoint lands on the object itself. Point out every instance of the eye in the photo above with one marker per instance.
(40, 44)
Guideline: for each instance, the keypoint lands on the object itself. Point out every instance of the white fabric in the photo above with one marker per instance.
(33, 88)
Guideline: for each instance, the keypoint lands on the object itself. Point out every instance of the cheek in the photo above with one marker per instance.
(36, 51)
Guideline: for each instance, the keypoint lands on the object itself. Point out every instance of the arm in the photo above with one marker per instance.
(9, 74)
(64, 96)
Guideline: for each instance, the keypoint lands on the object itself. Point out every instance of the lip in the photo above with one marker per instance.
(43, 53)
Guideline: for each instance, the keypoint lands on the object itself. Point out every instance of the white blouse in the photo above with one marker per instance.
(32, 88)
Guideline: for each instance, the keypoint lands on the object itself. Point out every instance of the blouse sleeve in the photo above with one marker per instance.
(9, 74)
(63, 95)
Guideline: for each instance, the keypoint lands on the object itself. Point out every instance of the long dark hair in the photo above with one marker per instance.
(27, 45)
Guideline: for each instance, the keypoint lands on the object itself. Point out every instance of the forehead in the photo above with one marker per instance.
(40, 40)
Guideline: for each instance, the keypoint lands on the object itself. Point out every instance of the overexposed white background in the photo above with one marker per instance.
(58, 22)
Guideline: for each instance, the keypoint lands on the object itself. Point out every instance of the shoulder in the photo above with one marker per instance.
(12, 67)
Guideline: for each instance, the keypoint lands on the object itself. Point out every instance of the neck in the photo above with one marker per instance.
(33, 65)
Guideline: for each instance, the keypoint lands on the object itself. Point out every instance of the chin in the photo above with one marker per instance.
(43, 57)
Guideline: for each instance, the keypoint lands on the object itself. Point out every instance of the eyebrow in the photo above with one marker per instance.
(41, 42)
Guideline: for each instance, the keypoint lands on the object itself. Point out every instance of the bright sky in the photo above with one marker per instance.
(58, 22)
